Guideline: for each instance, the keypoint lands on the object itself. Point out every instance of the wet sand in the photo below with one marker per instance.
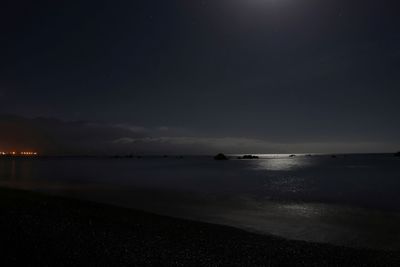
(42, 230)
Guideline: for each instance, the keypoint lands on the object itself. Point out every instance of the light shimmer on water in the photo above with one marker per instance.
(349, 200)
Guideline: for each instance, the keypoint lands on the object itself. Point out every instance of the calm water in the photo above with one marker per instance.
(351, 200)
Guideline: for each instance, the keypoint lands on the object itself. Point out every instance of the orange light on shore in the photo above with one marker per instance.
(28, 153)
(22, 153)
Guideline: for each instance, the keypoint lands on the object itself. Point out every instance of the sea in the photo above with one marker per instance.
(348, 200)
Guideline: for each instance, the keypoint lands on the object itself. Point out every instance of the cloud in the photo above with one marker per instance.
(198, 145)
(132, 128)
(53, 136)
(240, 145)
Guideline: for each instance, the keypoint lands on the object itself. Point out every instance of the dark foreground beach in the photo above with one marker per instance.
(40, 230)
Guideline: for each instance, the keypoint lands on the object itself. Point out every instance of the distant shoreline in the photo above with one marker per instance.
(48, 230)
(181, 156)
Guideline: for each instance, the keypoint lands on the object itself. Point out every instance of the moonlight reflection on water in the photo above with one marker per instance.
(282, 164)
(315, 198)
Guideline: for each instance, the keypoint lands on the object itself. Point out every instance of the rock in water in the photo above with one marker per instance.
(220, 156)
(249, 157)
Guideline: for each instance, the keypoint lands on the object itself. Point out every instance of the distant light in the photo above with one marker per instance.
(21, 153)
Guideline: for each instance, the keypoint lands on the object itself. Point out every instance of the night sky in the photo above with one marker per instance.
(179, 76)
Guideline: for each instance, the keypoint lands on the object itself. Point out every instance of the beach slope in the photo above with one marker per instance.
(41, 230)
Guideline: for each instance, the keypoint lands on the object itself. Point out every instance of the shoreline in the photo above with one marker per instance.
(39, 229)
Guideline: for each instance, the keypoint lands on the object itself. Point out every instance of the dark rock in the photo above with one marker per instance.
(292, 156)
(220, 156)
(249, 157)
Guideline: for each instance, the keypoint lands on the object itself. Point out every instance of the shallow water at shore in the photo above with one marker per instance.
(350, 200)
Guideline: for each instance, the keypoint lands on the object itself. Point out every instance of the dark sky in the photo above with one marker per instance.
(198, 76)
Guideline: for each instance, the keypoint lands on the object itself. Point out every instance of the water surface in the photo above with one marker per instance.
(349, 200)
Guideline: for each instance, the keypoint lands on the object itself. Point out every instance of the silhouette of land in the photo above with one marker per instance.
(40, 230)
